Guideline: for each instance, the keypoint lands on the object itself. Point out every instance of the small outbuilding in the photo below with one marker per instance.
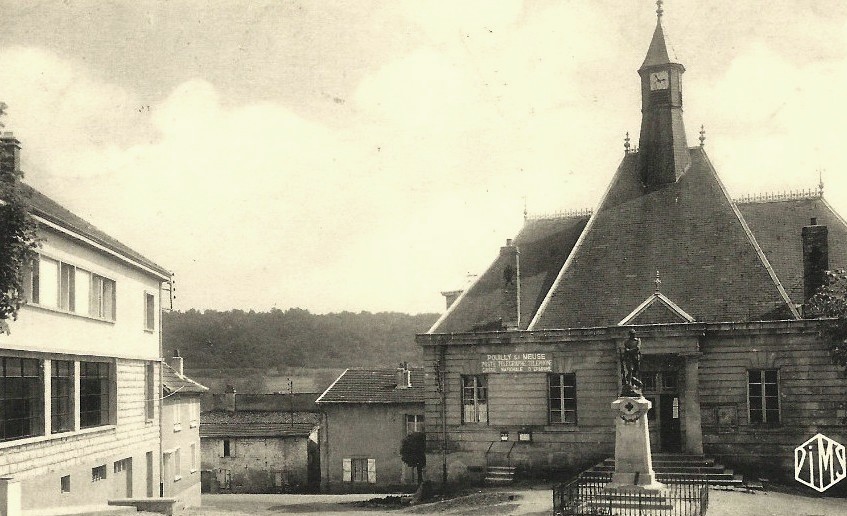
(367, 413)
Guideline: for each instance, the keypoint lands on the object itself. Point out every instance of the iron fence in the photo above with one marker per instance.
(587, 495)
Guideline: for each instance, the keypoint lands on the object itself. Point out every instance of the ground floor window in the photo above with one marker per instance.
(562, 398)
(358, 469)
(21, 398)
(98, 473)
(414, 423)
(474, 399)
(94, 394)
(763, 395)
(61, 396)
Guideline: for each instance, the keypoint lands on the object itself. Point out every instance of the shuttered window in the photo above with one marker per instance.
(360, 470)
(763, 395)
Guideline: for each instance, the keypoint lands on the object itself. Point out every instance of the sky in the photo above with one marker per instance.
(367, 155)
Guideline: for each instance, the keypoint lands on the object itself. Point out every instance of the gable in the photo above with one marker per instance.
(656, 309)
(690, 231)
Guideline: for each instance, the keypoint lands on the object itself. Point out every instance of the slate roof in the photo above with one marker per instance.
(174, 383)
(660, 51)
(777, 225)
(257, 424)
(718, 260)
(357, 385)
(52, 211)
(544, 246)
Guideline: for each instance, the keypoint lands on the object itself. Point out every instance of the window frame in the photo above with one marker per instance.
(96, 475)
(480, 384)
(763, 406)
(106, 393)
(98, 308)
(31, 406)
(562, 410)
(69, 397)
(417, 421)
(149, 312)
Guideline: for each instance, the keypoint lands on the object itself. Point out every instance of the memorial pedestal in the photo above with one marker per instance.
(633, 461)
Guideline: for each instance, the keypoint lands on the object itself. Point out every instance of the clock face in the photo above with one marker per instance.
(659, 80)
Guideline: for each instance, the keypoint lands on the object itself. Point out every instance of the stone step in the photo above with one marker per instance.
(510, 469)
(660, 468)
(722, 479)
(81, 510)
(672, 462)
(499, 480)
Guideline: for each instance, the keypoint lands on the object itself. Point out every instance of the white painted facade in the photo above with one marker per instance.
(90, 456)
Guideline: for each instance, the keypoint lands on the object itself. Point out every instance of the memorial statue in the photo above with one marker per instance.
(630, 357)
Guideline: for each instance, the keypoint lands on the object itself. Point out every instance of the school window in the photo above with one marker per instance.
(177, 464)
(61, 396)
(763, 395)
(102, 297)
(98, 473)
(193, 411)
(414, 423)
(65, 484)
(360, 470)
(31, 281)
(149, 311)
(21, 398)
(177, 411)
(94, 394)
(48, 273)
(149, 391)
(67, 287)
(562, 398)
(474, 399)
(229, 448)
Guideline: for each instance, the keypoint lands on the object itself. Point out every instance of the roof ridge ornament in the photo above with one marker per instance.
(626, 144)
(702, 135)
(820, 182)
(658, 281)
(659, 10)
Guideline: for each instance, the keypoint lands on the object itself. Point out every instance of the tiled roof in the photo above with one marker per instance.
(544, 246)
(52, 211)
(299, 402)
(257, 430)
(778, 224)
(255, 417)
(174, 383)
(373, 386)
(251, 423)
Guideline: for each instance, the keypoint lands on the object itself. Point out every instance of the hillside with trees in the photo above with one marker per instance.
(295, 337)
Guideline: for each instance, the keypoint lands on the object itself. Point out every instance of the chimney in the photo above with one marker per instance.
(10, 153)
(403, 376)
(451, 296)
(815, 258)
(176, 363)
(229, 398)
(511, 286)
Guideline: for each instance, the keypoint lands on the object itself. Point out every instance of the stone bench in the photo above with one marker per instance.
(166, 506)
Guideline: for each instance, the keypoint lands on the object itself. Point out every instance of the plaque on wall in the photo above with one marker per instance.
(516, 362)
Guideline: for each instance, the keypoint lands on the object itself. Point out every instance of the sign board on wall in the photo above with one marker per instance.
(516, 362)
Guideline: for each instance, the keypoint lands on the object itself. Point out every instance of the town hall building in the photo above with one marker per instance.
(523, 365)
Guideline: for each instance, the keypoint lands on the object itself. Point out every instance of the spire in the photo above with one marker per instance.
(660, 51)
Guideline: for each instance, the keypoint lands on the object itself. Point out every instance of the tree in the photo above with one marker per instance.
(413, 452)
(18, 238)
(830, 304)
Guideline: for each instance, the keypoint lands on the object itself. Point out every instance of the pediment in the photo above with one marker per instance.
(657, 309)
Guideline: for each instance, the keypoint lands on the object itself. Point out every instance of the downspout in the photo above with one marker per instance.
(442, 386)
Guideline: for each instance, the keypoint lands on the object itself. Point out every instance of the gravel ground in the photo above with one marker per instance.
(533, 501)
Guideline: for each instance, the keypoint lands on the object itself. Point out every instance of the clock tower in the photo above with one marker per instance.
(663, 148)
